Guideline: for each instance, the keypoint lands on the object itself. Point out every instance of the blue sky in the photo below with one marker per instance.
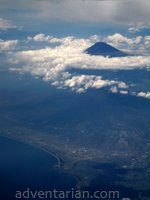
(47, 38)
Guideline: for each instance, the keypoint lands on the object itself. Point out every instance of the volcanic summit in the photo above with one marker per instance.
(103, 49)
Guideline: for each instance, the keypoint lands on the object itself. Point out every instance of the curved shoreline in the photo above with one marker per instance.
(48, 151)
(36, 147)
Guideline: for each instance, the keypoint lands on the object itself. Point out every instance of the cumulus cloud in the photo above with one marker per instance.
(136, 46)
(114, 89)
(123, 92)
(126, 44)
(122, 85)
(6, 24)
(143, 94)
(71, 53)
(80, 83)
(66, 40)
(8, 45)
(118, 38)
(41, 37)
(53, 63)
(131, 45)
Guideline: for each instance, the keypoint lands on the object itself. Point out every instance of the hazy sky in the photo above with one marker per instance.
(124, 11)
(133, 14)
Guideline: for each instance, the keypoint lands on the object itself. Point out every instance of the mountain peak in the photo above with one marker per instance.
(104, 49)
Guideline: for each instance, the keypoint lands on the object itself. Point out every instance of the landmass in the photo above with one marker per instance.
(104, 49)
(125, 148)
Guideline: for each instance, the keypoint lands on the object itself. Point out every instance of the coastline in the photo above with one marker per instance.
(48, 151)
(36, 147)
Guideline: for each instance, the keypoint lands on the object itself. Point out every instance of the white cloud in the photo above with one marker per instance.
(55, 83)
(131, 45)
(6, 24)
(124, 43)
(8, 45)
(123, 92)
(80, 90)
(137, 45)
(143, 94)
(139, 27)
(29, 38)
(53, 63)
(66, 40)
(147, 42)
(122, 85)
(133, 29)
(71, 53)
(114, 89)
(80, 83)
(118, 38)
(41, 37)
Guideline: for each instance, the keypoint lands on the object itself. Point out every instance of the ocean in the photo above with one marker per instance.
(29, 170)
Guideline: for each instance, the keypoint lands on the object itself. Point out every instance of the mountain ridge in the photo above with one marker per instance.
(104, 49)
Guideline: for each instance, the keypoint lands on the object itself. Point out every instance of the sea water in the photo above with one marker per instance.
(29, 170)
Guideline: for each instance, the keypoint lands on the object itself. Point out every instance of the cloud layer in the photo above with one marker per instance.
(54, 63)
(123, 12)
(134, 14)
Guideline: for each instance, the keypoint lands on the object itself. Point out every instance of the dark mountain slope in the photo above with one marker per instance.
(103, 49)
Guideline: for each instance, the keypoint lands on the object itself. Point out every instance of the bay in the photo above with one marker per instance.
(24, 167)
